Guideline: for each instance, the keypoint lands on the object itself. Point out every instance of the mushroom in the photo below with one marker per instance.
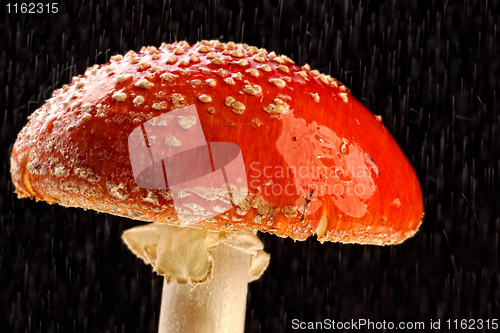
(212, 142)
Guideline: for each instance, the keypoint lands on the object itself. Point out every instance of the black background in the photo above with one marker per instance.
(429, 67)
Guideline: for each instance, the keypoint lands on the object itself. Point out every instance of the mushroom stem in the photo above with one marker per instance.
(217, 305)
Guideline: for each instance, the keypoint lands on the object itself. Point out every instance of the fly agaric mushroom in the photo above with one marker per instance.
(314, 160)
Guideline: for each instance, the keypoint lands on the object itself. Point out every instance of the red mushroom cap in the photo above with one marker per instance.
(316, 160)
